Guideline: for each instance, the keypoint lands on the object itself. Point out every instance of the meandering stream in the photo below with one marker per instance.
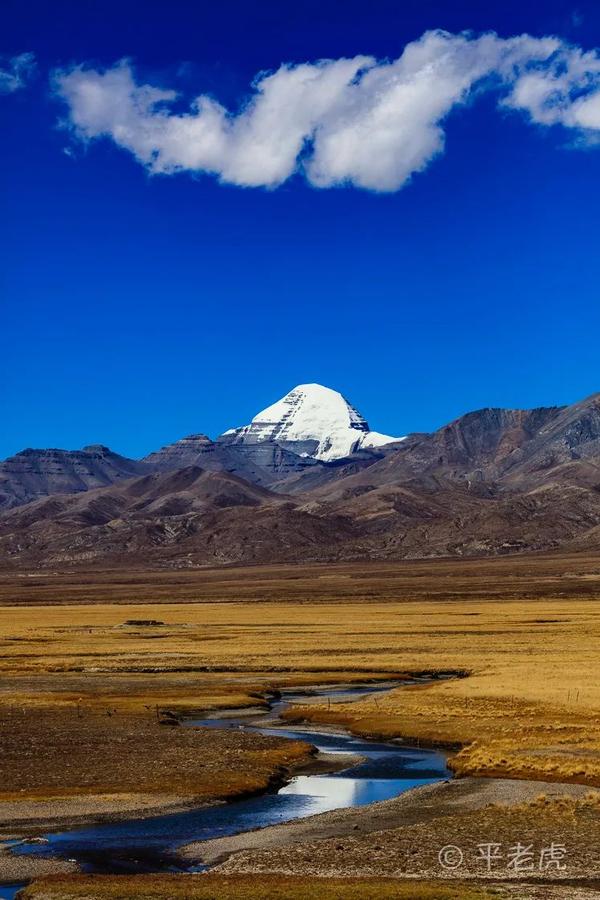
(149, 844)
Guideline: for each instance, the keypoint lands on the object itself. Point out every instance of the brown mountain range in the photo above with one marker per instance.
(491, 482)
(31, 474)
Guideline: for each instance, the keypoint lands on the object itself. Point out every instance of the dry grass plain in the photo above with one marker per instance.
(80, 670)
(243, 888)
(529, 708)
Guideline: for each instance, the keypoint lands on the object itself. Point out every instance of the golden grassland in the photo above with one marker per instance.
(530, 705)
(242, 888)
(83, 679)
(528, 708)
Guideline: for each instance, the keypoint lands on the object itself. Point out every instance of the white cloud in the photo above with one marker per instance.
(15, 72)
(565, 92)
(355, 121)
(390, 124)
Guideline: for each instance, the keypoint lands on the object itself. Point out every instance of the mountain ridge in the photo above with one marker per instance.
(491, 482)
(34, 473)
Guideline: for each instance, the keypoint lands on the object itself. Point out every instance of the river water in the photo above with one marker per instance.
(386, 770)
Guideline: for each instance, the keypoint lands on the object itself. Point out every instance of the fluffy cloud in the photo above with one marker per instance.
(355, 121)
(15, 72)
(565, 92)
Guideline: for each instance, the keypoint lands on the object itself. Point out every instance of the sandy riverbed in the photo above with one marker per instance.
(402, 837)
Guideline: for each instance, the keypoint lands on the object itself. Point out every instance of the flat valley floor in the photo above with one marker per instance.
(97, 665)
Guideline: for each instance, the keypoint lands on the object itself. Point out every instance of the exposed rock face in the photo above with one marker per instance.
(186, 452)
(264, 463)
(571, 436)
(483, 443)
(31, 474)
(312, 421)
(494, 450)
(482, 446)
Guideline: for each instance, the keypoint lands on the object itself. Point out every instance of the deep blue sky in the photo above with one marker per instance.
(138, 309)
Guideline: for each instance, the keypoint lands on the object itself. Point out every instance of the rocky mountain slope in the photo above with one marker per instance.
(186, 517)
(265, 463)
(31, 474)
(491, 482)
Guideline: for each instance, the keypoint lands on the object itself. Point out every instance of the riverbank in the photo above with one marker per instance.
(31, 817)
(418, 806)
(543, 840)
(14, 869)
(403, 837)
(396, 839)
(145, 843)
(78, 679)
(64, 766)
(389, 849)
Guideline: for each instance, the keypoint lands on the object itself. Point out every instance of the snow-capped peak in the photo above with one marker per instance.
(318, 422)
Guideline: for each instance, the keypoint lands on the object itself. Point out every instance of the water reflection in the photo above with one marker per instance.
(9, 891)
(145, 845)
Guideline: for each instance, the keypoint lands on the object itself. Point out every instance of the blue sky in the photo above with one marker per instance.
(137, 307)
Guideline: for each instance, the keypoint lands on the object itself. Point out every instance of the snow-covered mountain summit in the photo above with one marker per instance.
(312, 420)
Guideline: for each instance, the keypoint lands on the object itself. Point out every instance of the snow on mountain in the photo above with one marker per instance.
(313, 421)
